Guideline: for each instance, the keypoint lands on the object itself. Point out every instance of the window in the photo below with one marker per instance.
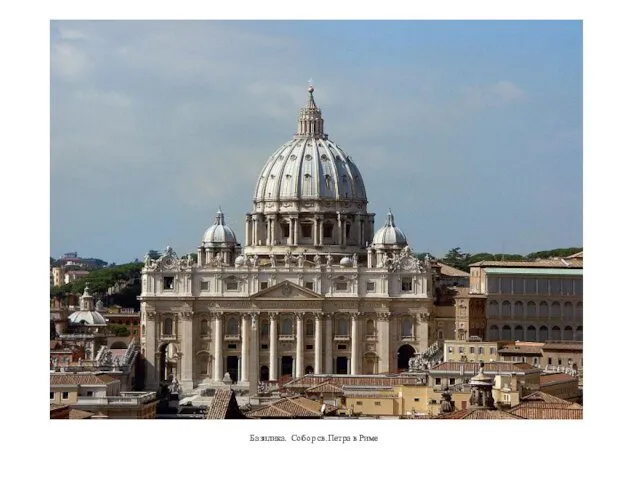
(167, 326)
(460, 349)
(341, 286)
(450, 349)
(327, 230)
(348, 230)
(481, 350)
(407, 284)
(306, 230)
(438, 381)
(89, 393)
(309, 347)
(342, 327)
(233, 327)
(472, 350)
(549, 361)
(342, 347)
(371, 329)
(416, 399)
(264, 329)
(309, 328)
(50, 395)
(204, 286)
(264, 346)
(284, 227)
(232, 285)
(168, 283)
(492, 350)
(65, 395)
(358, 403)
(264, 285)
(287, 327)
(377, 404)
(308, 285)
(452, 381)
(407, 328)
(371, 287)
(232, 346)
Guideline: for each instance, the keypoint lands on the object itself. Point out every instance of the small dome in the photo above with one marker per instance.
(346, 262)
(240, 261)
(87, 317)
(219, 233)
(389, 234)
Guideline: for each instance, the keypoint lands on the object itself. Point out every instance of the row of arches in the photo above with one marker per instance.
(518, 309)
(532, 333)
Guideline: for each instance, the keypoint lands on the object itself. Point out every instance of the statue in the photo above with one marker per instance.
(287, 258)
(148, 261)
(301, 260)
(317, 260)
(329, 260)
(385, 259)
(354, 260)
(254, 261)
(174, 388)
(272, 257)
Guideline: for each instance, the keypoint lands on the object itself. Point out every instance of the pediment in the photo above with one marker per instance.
(288, 291)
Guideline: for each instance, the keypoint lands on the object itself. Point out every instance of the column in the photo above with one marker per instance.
(295, 231)
(218, 372)
(152, 361)
(273, 231)
(299, 345)
(328, 344)
(254, 354)
(320, 232)
(247, 230)
(384, 340)
(317, 368)
(186, 377)
(273, 347)
(315, 231)
(340, 224)
(244, 365)
(355, 346)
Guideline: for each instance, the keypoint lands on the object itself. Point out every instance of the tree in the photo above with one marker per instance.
(153, 254)
(457, 259)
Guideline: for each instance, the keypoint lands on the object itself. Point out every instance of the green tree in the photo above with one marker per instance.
(154, 254)
(457, 259)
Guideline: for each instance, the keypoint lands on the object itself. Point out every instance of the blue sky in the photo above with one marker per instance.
(470, 131)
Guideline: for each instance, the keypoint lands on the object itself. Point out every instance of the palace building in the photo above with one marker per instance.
(315, 288)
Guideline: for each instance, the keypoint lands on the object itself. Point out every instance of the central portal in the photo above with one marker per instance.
(286, 366)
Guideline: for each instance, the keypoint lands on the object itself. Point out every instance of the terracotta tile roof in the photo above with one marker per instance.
(450, 271)
(554, 378)
(490, 368)
(324, 387)
(76, 414)
(521, 349)
(56, 406)
(80, 379)
(223, 405)
(360, 380)
(544, 263)
(538, 412)
(542, 397)
(479, 414)
(562, 346)
(291, 407)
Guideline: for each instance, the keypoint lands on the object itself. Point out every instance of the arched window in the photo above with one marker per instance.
(204, 328)
(371, 329)
(407, 328)
(287, 326)
(579, 310)
(494, 333)
(531, 310)
(568, 333)
(519, 333)
(264, 328)
(555, 333)
(167, 326)
(492, 309)
(531, 333)
(544, 334)
(233, 327)
(506, 309)
(519, 310)
(578, 334)
(567, 310)
(544, 310)
(308, 328)
(506, 332)
(555, 309)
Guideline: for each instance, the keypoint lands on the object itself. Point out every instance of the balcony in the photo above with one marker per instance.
(168, 337)
(372, 338)
(341, 338)
(234, 337)
(126, 399)
(286, 337)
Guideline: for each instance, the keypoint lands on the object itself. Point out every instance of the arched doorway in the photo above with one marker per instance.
(578, 335)
(232, 367)
(167, 362)
(568, 333)
(405, 353)
(264, 373)
(555, 333)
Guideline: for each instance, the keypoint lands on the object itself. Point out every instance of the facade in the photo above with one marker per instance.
(315, 289)
(534, 301)
(473, 350)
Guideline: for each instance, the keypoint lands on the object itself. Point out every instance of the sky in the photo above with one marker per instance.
(470, 131)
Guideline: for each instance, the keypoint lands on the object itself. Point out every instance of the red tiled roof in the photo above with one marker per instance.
(548, 412)
(80, 379)
(291, 407)
(544, 263)
(324, 387)
(554, 378)
(75, 414)
(521, 349)
(450, 271)
(220, 403)
(542, 397)
(490, 368)
(361, 380)
(562, 346)
(479, 414)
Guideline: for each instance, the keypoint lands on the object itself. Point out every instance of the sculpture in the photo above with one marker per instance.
(329, 260)
(174, 388)
(287, 258)
(272, 257)
(301, 260)
(317, 260)
(354, 260)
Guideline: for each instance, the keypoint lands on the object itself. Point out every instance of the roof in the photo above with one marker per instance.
(490, 368)
(562, 346)
(80, 379)
(579, 255)
(534, 271)
(224, 405)
(75, 414)
(479, 414)
(553, 378)
(450, 271)
(89, 317)
(324, 387)
(542, 263)
(537, 397)
(547, 411)
(521, 349)
(359, 380)
(291, 407)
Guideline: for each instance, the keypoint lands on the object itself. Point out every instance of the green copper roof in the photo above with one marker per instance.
(534, 271)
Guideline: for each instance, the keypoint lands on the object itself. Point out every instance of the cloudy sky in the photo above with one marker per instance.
(470, 131)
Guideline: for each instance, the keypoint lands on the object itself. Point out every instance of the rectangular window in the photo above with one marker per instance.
(452, 381)
(416, 399)
(505, 285)
(341, 286)
(518, 285)
(168, 283)
(480, 350)
(309, 347)
(309, 328)
(204, 286)
(407, 284)
(308, 285)
(471, 350)
(327, 231)
(231, 346)
(377, 404)
(450, 349)
(348, 230)
(494, 285)
(358, 403)
(306, 230)
(438, 381)
(460, 349)
(578, 286)
(342, 347)
(50, 395)
(264, 285)
(567, 286)
(285, 229)
(264, 346)
(89, 393)
(371, 287)
(492, 350)
(232, 285)
(549, 361)
(65, 395)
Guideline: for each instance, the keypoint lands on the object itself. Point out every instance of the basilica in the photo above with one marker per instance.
(315, 288)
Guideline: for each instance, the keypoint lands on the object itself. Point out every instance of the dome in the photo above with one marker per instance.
(219, 233)
(389, 234)
(87, 317)
(309, 167)
(346, 262)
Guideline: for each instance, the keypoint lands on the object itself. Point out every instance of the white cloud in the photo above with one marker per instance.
(493, 95)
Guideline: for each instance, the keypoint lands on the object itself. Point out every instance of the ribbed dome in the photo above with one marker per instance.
(219, 233)
(309, 167)
(85, 317)
(389, 234)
